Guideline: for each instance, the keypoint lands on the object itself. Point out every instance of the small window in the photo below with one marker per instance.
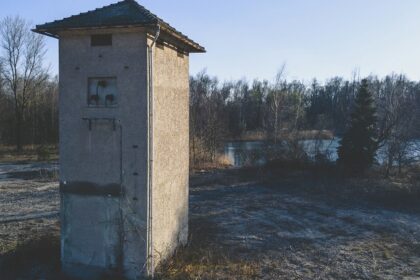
(102, 92)
(101, 40)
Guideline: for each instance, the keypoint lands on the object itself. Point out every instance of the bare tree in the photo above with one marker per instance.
(1, 80)
(396, 120)
(23, 72)
(277, 97)
(207, 117)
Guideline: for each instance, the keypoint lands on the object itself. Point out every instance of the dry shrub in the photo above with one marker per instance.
(200, 154)
(202, 157)
(223, 160)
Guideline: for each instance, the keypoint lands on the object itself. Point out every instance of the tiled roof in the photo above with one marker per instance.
(124, 13)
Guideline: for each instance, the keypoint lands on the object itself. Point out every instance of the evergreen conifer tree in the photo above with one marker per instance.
(358, 147)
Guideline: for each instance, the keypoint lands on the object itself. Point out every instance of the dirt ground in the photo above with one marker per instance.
(29, 202)
(275, 234)
(240, 228)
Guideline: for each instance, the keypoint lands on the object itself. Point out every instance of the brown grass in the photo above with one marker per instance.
(205, 264)
(203, 258)
(29, 153)
(301, 135)
(221, 162)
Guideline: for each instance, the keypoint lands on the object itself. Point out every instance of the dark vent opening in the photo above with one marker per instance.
(101, 40)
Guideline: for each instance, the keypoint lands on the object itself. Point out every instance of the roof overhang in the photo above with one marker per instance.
(167, 34)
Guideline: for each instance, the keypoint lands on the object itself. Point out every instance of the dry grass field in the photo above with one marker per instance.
(244, 224)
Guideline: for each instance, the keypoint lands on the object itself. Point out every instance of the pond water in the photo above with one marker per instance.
(254, 153)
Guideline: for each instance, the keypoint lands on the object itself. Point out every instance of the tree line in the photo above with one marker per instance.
(276, 110)
(282, 110)
(28, 94)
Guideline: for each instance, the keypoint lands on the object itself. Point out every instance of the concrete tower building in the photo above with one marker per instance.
(124, 130)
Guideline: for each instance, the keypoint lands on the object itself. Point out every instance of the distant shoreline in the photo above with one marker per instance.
(252, 136)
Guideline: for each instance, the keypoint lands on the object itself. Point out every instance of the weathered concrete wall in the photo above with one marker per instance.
(103, 155)
(103, 168)
(170, 151)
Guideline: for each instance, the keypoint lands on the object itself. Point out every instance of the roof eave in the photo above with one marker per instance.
(193, 47)
(54, 32)
(45, 32)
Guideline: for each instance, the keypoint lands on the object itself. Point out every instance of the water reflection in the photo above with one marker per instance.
(254, 153)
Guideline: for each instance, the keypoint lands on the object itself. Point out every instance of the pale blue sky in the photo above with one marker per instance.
(252, 38)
